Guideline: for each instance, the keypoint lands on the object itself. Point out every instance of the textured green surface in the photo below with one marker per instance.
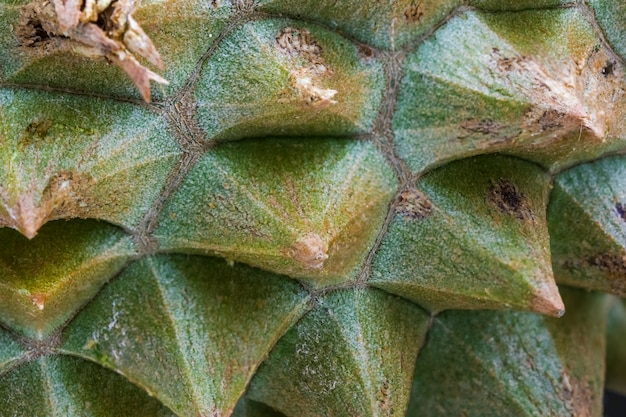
(307, 208)
(327, 142)
(509, 5)
(65, 156)
(185, 44)
(492, 82)
(611, 15)
(355, 345)
(255, 83)
(62, 386)
(11, 352)
(45, 280)
(387, 25)
(558, 365)
(484, 243)
(587, 218)
(190, 331)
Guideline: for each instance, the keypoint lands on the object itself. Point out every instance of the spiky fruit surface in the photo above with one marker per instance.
(318, 208)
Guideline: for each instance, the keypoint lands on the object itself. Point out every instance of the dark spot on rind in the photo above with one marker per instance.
(309, 68)
(413, 204)
(610, 264)
(608, 69)
(414, 12)
(36, 131)
(298, 42)
(613, 264)
(35, 34)
(551, 120)
(507, 198)
(366, 52)
(621, 210)
(486, 126)
(31, 31)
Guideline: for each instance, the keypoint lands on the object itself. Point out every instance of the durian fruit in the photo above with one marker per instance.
(273, 208)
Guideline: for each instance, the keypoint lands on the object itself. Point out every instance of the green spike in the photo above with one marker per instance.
(587, 217)
(310, 208)
(489, 82)
(190, 331)
(44, 281)
(352, 355)
(285, 78)
(473, 236)
(65, 156)
(558, 364)
(58, 385)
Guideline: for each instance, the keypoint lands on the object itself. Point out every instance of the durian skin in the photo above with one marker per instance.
(268, 206)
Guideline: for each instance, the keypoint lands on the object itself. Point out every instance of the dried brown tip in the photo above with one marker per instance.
(27, 219)
(138, 42)
(547, 300)
(99, 29)
(311, 251)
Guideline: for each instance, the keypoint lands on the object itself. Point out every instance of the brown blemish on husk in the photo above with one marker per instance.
(486, 126)
(621, 210)
(414, 12)
(36, 132)
(66, 192)
(365, 52)
(413, 204)
(608, 69)
(310, 251)
(507, 64)
(507, 198)
(551, 120)
(613, 266)
(309, 66)
(97, 30)
(583, 97)
(490, 133)
(299, 43)
(384, 397)
(576, 396)
(606, 90)
(39, 300)
(31, 31)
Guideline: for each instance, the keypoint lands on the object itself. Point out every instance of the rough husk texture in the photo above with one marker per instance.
(318, 208)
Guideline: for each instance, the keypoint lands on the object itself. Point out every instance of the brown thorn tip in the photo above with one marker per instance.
(547, 300)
